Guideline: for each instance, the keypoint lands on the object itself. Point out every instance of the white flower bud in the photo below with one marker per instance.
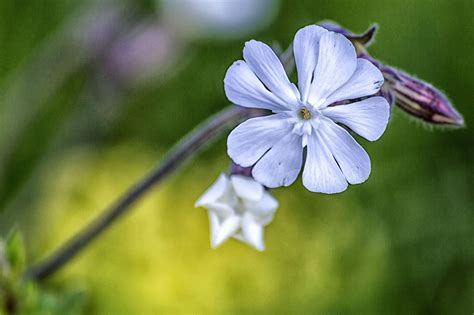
(238, 207)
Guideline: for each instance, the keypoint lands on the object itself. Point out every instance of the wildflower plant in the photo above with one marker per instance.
(334, 86)
(341, 88)
(280, 128)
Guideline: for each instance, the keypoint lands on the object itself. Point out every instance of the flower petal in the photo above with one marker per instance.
(222, 210)
(350, 156)
(281, 164)
(213, 193)
(252, 232)
(368, 118)
(366, 80)
(226, 229)
(247, 188)
(268, 68)
(337, 62)
(321, 172)
(263, 208)
(243, 88)
(306, 50)
(214, 226)
(251, 139)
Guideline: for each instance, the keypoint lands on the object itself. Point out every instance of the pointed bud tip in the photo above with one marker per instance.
(420, 99)
(453, 120)
(364, 39)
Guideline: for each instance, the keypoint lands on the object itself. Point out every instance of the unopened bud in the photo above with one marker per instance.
(421, 99)
(416, 97)
(364, 39)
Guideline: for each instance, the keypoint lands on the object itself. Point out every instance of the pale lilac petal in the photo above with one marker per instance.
(213, 193)
(350, 156)
(368, 118)
(281, 164)
(243, 88)
(252, 232)
(306, 50)
(226, 229)
(251, 139)
(337, 62)
(265, 64)
(321, 172)
(366, 80)
(247, 188)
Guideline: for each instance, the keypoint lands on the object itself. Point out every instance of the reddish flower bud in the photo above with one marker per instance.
(421, 99)
(416, 97)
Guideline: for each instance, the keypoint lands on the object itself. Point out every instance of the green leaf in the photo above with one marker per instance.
(36, 300)
(15, 252)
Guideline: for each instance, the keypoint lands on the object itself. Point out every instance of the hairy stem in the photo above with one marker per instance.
(183, 151)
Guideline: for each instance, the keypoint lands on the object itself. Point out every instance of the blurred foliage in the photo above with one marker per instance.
(25, 298)
(402, 243)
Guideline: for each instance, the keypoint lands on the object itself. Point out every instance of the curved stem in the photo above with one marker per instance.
(183, 151)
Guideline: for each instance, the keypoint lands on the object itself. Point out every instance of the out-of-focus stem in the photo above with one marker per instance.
(182, 152)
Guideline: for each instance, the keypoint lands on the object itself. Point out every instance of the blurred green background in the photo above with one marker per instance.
(76, 132)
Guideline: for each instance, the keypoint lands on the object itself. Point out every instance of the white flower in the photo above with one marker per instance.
(218, 18)
(238, 207)
(328, 72)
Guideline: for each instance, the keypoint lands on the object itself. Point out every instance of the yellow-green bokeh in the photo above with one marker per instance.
(401, 243)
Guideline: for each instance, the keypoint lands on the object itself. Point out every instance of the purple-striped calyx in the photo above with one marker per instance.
(416, 97)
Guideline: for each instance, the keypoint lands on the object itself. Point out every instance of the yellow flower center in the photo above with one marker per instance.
(305, 113)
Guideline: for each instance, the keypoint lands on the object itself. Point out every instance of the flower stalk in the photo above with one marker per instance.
(182, 152)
